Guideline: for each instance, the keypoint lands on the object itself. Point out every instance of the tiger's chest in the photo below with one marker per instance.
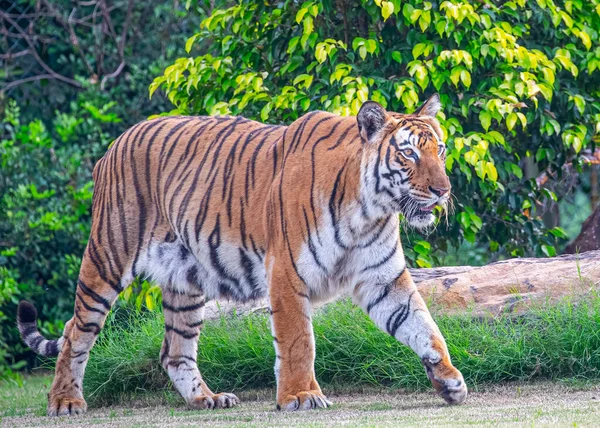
(336, 259)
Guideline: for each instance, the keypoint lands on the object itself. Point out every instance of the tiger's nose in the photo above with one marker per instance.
(439, 191)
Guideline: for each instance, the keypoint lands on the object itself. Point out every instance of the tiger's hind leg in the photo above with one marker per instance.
(96, 292)
(184, 313)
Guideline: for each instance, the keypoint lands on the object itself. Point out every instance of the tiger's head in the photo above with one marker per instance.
(404, 161)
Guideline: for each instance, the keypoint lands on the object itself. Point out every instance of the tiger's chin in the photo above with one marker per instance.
(421, 221)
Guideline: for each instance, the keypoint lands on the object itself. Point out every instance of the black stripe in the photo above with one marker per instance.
(195, 324)
(311, 244)
(96, 297)
(29, 331)
(140, 199)
(384, 260)
(332, 211)
(182, 308)
(52, 348)
(398, 317)
(384, 293)
(182, 333)
(88, 307)
(35, 342)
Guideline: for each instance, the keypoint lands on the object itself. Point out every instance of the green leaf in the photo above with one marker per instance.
(418, 50)
(516, 170)
(362, 52)
(320, 53)
(559, 232)
(264, 113)
(548, 250)
(480, 169)
(486, 119)
(511, 120)
(465, 77)
(476, 220)
(190, 43)
(492, 173)
(455, 75)
(579, 103)
(396, 56)
(387, 8)
(303, 11)
(464, 219)
(422, 247)
(472, 157)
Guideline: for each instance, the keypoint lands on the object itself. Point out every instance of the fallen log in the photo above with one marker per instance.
(505, 286)
(509, 285)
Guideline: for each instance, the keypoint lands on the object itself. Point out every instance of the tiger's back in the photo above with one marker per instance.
(186, 196)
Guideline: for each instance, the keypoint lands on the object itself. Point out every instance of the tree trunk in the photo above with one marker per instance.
(589, 237)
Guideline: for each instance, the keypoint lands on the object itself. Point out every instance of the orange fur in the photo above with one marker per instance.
(226, 207)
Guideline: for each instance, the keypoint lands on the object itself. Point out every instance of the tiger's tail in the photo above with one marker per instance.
(27, 323)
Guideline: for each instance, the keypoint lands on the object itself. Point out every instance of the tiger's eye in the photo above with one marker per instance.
(408, 152)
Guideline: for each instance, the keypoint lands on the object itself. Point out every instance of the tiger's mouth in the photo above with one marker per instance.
(420, 215)
(428, 209)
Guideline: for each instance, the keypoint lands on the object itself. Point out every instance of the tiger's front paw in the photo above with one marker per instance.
(304, 400)
(65, 406)
(447, 381)
(214, 401)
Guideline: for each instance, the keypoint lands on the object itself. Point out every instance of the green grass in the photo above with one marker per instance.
(236, 353)
(29, 397)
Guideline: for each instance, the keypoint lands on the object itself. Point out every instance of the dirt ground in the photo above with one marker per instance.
(541, 404)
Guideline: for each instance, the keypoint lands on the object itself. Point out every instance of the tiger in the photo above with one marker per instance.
(223, 207)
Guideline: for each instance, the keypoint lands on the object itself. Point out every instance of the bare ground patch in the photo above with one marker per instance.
(537, 404)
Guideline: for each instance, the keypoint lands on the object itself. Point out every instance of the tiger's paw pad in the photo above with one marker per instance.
(215, 401)
(451, 387)
(454, 391)
(304, 400)
(63, 406)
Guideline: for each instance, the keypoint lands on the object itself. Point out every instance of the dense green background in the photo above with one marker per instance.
(519, 82)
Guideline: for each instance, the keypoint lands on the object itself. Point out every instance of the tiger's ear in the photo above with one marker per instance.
(371, 118)
(431, 107)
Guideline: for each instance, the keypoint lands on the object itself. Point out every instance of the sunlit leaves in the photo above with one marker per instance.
(509, 75)
(574, 136)
(579, 102)
(387, 8)
(364, 46)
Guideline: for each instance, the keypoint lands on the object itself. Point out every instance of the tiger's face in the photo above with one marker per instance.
(405, 161)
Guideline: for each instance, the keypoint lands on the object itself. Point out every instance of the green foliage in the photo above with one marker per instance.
(550, 342)
(111, 56)
(519, 83)
(45, 203)
(52, 140)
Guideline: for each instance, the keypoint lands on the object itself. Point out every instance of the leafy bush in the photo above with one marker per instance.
(51, 141)
(519, 82)
(45, 202)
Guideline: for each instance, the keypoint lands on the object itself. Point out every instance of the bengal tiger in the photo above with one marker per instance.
(229, 208)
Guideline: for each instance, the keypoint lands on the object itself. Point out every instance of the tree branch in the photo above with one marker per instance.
(112, 75)
(27, 79)
(39, 60)
(121, 46)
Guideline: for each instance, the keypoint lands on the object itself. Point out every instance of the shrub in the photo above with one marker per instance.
(518, 79)
(45, 202)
